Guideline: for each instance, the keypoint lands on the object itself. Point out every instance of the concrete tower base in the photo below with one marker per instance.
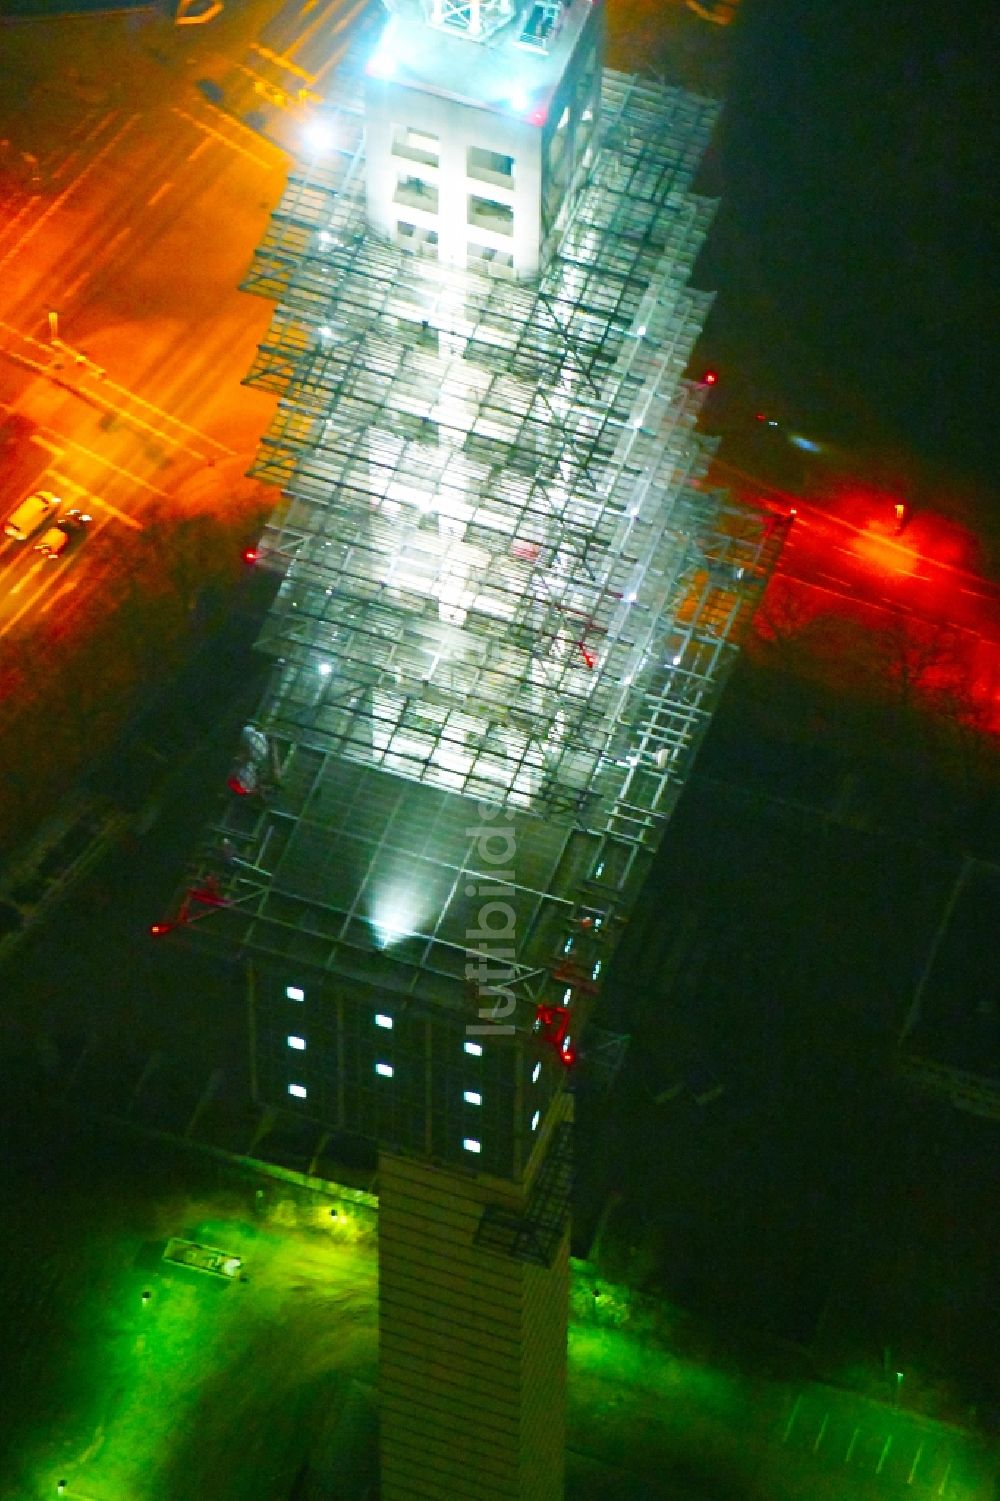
(472, 1352)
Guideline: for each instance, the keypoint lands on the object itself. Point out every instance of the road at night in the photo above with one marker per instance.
(133, 207)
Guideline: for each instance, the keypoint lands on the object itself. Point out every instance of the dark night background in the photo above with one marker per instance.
(856, 240)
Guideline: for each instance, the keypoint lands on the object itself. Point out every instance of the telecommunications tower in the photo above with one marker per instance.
(508, 600)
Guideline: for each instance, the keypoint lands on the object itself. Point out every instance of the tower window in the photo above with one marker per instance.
(475, 1048)
(490, 166)
(381, 1020)
(413, 237)
(414, 192)
(470, 1144)
(296, 1043)
(487, 213)
(298, 1090)
(472, 1097)
(416, 145)
(384, 1070)
(483, 257)
(295, 993)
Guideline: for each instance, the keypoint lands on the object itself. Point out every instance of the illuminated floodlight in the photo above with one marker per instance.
(474, 1048)
(472, 1097)
(518, 99)
(471, 1144)
(381, 1020)
(295, 993)
(325, 331)
(298, 1090)
(535, 1072)
(395, 913)
(535, 1119)
(324, 669)
(298, 1043)
(325, 237)
(318, 135)
(384, 1070)
(384, 60)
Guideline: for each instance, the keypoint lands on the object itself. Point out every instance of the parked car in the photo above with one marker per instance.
(68, 531)
(31, 514)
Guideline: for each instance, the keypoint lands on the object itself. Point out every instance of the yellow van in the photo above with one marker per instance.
(30, 515)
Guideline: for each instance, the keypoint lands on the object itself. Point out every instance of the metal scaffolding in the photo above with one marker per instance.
(506, 583)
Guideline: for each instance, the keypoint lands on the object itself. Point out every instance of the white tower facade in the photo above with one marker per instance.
(480, 119)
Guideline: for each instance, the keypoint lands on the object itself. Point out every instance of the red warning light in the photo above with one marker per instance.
(159, 928)
(710, 378)
(760, 417)
(250, 555)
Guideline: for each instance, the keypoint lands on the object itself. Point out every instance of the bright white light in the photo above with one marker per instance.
(298, 1043)
(535, 1072)
(395, 913)
(326, 332)
(294, 993)
(475, 1048)
(471, 1097)
(384, 63)
(518, 99)
(385, 1069)
(798, 441)
(325, 237)
(677, 660)
(318, 135)
(298, 1090)
(471, 1144)
(324, 669)
(567, 996)
(597, 969)
(640, 332)
(381, 1020)
(535, 1119)
(630, 598)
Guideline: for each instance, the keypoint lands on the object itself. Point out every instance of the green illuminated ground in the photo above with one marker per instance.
(232, 1390)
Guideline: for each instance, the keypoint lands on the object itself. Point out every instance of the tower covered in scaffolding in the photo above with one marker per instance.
(508, 601)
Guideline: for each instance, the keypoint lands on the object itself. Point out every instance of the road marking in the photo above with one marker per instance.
(97, 500)
(202, 145)
(822, 1429)
(115, 239)
(58, 202)
(164, 188)
(944, 1480)
(211, 133)
(850, 1447)
(75, 286)
(28, 573)
(49, 447)
(884, 1455)
(66, 588)
(791, 1418)
(916, 1461)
